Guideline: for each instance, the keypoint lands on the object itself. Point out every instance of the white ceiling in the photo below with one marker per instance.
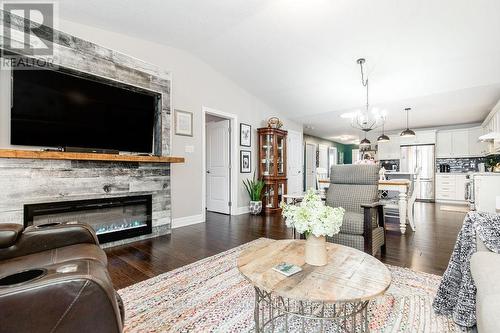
(442, 58)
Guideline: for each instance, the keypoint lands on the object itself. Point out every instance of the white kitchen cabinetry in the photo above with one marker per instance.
(494, 126)
(450, 187)
(460, 143)
(444, 144)
(445, 187)
(460, 181)
(421, 138)
(476, 147)
(491, 127)
(392, 150)
(389, 150)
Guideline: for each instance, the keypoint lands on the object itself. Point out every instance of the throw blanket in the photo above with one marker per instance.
(456, 294)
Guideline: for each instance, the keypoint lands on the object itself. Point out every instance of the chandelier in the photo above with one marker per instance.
(367, 119)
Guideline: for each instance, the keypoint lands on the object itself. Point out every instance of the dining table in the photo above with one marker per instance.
(405, 202)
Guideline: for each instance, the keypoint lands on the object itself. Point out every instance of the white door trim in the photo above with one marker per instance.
(233, 120)
(315, 146)
(300, 150)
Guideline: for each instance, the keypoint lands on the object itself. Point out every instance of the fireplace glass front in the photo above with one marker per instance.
(112, 218)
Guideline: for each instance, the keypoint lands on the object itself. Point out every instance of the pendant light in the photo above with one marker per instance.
(407, 132)
(383, 137)
(365, 142)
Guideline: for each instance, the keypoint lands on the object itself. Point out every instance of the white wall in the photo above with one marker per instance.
(194, 84)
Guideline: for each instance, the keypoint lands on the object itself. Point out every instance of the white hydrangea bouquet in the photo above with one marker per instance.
(315, 220)
(312, 216)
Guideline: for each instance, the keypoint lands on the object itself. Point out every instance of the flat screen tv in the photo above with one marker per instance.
(55, 109)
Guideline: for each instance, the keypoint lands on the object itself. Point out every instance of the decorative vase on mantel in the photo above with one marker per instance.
(315, 251)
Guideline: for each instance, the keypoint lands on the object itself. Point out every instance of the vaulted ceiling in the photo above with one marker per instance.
(442, 58)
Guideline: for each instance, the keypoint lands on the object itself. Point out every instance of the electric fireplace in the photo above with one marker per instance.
(112, 218)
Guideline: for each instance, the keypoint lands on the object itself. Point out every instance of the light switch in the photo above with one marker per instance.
(189, 149)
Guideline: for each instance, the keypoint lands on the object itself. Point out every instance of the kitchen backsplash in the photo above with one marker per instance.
(390, 164)
(461, 164)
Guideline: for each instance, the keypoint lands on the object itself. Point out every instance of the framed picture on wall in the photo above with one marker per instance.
(183, 122)
(245, 135)
(245, 161)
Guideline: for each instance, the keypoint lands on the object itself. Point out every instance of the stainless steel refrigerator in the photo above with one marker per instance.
(420, 157)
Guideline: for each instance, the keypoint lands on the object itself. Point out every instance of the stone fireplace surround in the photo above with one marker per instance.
(34, 181)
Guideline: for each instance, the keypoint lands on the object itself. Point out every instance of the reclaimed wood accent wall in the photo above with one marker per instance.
(24, 181)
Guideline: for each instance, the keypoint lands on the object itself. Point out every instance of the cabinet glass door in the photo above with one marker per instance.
(267, 154)
(281, 150)
(281, 192)
(269, 191)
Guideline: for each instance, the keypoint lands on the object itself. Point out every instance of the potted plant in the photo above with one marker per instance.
(492, 163)
(316, 221)
(254, 189)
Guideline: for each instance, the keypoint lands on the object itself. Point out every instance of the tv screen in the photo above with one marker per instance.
(55, 109)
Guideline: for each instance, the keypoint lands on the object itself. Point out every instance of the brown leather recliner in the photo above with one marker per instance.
(53, 278)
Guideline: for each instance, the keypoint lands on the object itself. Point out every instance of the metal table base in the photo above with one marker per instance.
(274, 313)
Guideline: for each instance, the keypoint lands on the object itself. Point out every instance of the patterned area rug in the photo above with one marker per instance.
(211, 296)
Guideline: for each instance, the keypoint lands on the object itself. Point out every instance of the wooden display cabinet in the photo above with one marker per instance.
(272, 167)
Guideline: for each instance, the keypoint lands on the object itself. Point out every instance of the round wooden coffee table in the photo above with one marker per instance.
(333, 297)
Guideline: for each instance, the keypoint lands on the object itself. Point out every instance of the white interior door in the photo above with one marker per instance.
(332, 157)
(218, 167)
(355, 156)
(323, 156)
(295, 163)
(310, 166)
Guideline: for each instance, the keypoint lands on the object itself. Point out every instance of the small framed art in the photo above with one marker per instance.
(245, 161)
(245, 135)
(183, 123)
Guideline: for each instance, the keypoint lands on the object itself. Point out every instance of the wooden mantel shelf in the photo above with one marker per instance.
(59, 155)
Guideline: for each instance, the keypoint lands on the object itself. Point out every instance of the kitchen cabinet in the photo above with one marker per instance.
(420, 138)
(389, 150)
(444, 144)
(476, 147)
(491, 127)
(493, 124)
(450, 187)
(460, 143)
(460, 181)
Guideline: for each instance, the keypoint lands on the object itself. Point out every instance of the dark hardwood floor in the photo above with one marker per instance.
(428, 249)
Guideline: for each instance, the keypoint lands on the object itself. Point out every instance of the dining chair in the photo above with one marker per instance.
(355, 188)
(322, 182)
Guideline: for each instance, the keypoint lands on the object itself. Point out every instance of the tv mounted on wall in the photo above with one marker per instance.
(53, 108)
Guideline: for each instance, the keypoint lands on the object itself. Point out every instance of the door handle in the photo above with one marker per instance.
(208, 171)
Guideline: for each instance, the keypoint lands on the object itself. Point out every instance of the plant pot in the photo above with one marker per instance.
(315, 251)
(255, 207)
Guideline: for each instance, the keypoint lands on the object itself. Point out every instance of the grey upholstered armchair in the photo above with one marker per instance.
(355, 188)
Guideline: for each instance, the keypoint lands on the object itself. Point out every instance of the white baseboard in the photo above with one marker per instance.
(453, 202)
(187, 220)
(242, 210)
